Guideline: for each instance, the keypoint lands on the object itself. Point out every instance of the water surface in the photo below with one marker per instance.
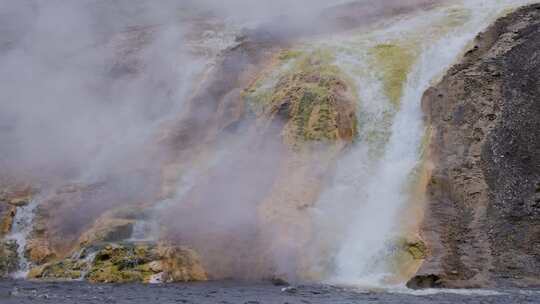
(12, 292)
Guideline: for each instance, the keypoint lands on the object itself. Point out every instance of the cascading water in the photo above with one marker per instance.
(20, 230)
(84, 258)
(358, 216)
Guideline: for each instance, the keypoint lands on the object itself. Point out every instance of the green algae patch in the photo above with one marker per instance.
(72, 268)
(312, 97)
(122, 264)
(62, 270)
(417, 250)
(289, 54)
(125, 263)
(394, 63)
(407, 254)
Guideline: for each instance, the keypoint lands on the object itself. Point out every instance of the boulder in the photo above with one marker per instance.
(141, 262)
(107, 229)
(313, 98)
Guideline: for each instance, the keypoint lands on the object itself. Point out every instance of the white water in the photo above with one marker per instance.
(20, 230)
(359, 214)
(156, 278)
(88, 261)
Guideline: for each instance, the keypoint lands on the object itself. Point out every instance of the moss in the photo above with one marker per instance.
(289, 54)
(139, 262)
(313, 97)
(72, 268)
(394, 63)
(417, 250)
(113, 274)
(125, 263)
(121, 264)
(62, 270)
(406, 255)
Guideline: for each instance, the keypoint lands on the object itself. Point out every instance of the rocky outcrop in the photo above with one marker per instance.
(313, 99)
(126, 262)
(482, 222)
(10, 199)
(9, 261)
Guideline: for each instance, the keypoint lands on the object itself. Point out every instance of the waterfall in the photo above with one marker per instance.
(358, 215)
(20, 230)
(87, 261)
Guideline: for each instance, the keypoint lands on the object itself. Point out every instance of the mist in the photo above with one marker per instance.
(117, 92)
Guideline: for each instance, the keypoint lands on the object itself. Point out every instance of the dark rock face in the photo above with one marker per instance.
(483, 217)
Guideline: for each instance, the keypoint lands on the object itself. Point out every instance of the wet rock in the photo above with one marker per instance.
(38, 250)
(72, 268)
(123, 263)
(141, 262)
(181, 264)
(10, 199)
(63, 270)
(314, 99)
(156, 266)
(7, 213)
(77, 215)
(481, 223)
(425, 281)
(417, 249)
(9, 261)
(107, 229)
(279, 282)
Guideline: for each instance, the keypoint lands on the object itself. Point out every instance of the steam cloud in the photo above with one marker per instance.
(87, 85)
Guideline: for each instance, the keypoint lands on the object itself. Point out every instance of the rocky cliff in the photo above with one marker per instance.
(482, 221)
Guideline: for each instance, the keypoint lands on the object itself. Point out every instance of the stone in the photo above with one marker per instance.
(121, 263)
(9, 261)
(425, 281)
(481, 223)
(107, 228)
(314, 99)
(156, 266)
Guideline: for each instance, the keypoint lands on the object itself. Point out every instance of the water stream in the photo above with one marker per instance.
(20, 230)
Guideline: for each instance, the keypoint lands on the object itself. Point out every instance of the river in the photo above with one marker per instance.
(19, 292)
